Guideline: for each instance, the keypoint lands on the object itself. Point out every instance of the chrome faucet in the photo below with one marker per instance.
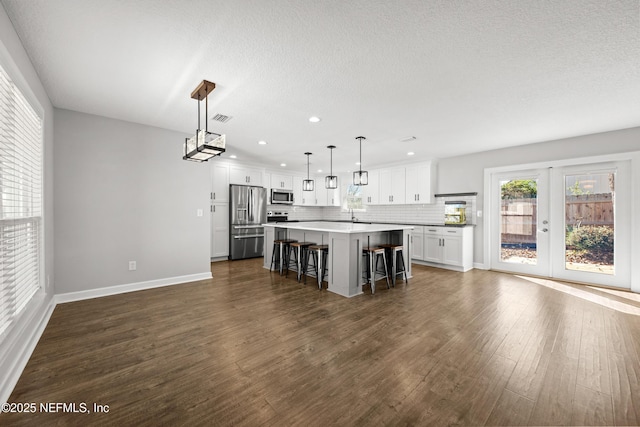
(353, 217)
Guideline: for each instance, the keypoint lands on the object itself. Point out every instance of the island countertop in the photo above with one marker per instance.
(339, 227)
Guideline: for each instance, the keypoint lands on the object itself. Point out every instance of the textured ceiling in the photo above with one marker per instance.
(460, 76)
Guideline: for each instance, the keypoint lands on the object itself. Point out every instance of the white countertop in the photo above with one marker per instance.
(339, 227)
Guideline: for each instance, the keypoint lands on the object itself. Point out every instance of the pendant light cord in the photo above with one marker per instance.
(331, 164)
(360, 165)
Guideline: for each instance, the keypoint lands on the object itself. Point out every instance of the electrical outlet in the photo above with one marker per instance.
(479, 214)
(132, 265)
(199, 212)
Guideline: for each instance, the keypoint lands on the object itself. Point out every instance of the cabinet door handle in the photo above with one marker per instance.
(418, 197)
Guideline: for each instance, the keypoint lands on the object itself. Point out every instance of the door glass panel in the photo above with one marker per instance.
(590, 222)
(518, 219)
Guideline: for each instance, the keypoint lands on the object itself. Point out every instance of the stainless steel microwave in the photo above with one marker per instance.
(281, 197)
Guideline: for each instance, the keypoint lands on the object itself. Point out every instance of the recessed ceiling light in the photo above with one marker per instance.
(358, 163)
(283, 164)
(319, 170)
(233, 156)
(410, 153)
(314, 119)
(262, 142)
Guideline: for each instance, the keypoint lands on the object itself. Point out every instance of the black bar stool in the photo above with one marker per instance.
(279, 254)
(396, 259)
(376, 253)
(301, 252)
(319, 255)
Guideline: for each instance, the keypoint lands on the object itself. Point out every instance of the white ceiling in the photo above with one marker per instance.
(460, 76)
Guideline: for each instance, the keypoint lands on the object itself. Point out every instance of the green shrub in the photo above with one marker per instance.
(591, 237)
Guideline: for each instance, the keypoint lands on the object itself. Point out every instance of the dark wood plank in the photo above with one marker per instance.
(251, 347)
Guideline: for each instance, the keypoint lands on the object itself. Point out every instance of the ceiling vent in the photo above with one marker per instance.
(221, 118)
(408, 139)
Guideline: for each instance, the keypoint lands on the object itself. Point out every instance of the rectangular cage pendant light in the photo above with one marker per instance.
(360, 177)
(204, 145)
(307, 184)
(331, 181)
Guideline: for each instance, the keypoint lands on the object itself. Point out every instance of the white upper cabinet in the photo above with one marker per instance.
(420, 183)
(281, 182)
(321, 192)
(370, 192)
(302, 198)
(333, 197)
(392, 186)
(324, 196)
(245, 176)
(219, 183)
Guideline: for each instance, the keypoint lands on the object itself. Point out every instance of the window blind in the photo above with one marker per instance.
(20, 202)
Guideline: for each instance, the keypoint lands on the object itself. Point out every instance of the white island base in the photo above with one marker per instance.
(346, 264)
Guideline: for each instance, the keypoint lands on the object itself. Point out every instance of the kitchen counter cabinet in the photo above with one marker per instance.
(417, 243)
(446, 247)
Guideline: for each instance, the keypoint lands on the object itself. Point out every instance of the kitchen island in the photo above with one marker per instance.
(345, 240)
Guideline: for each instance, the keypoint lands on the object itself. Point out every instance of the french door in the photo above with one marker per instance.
(520, 222)
(570, 222)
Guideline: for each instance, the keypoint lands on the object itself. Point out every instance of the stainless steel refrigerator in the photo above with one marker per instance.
(248, 211)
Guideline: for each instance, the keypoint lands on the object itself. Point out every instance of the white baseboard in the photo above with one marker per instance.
(19, 347)
(129, 287)
(480, 266)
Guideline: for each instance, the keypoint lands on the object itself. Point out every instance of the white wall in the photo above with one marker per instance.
(466, 173)
(19, 344)
(123, 193)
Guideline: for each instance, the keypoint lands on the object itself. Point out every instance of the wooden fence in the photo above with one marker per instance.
(519, 216)
(589, 209)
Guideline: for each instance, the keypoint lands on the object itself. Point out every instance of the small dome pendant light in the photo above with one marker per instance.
(331, 181)
(360, 177)
(307, 184)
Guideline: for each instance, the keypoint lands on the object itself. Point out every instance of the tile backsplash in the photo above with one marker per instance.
(407, 214)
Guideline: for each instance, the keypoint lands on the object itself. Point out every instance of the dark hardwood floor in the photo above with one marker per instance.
(252, 348)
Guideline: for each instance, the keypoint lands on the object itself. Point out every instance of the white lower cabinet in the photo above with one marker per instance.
(417, 243)
(220, 230)
(446, 247)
